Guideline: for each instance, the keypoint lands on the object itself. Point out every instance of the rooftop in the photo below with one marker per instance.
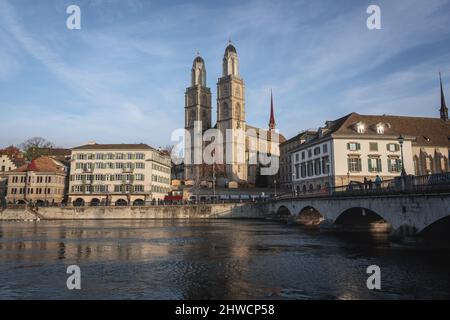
(41, 164)
(96, 146)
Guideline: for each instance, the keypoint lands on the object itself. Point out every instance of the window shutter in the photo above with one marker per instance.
(348, 146)
(397, 147)
(379, 165)
(370, 164)
(358, 146)
(349, 164)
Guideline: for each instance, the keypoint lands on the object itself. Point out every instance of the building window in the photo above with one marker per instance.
(310, 168)
(380, 129)
(309, 153)
(375, 165)
(303, 155)
(317, 167)
(325, 148)
(297, 157)
(392, 147)
(353, 146)
(373, 146)
(360, 127)
(354, 164)
(297, 171)
(303, 170)
(316, 151)
(394, 165)
(326, 165)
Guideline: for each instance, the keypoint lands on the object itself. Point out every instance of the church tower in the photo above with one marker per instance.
(231, 114)
(197, 108)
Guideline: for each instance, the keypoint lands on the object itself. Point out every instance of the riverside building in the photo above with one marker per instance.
(118, 174)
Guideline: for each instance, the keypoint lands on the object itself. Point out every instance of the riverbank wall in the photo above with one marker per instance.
(201, 211)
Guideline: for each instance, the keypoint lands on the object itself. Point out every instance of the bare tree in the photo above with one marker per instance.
(33, 147)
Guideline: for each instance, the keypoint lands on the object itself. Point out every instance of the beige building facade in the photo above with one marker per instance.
(358, 146)
(42, 181)
(118, 174)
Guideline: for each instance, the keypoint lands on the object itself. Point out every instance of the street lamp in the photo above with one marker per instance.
(401, 140)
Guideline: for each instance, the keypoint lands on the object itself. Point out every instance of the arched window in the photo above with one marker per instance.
(225, 90)
(204, 100)
(225, 110)
(192, 117)
(238, 111)
(237, 92)
(429, 165)
(416, 165)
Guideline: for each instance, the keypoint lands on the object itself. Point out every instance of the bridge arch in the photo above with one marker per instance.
(362, 219)
(438, 229)
(309, 216)
(283, 212)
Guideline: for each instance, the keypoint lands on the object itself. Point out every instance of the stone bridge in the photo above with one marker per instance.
(405, 214)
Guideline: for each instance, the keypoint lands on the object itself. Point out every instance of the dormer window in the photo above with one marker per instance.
(380, 128)
(360, 128)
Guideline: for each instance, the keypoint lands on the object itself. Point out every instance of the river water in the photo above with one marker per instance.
(214, 259)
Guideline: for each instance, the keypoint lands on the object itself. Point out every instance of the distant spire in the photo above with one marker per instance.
(444, 109)
(272, 116)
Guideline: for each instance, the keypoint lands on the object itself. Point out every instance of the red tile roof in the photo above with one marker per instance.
(41, 164)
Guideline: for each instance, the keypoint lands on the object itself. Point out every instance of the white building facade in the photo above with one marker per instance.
(118, 174)
(351, 149)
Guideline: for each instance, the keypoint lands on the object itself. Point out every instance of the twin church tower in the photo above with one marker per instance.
(230, 116)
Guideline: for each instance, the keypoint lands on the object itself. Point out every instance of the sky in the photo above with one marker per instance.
(121, 78)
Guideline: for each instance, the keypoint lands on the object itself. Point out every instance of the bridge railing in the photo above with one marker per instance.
(410, 184)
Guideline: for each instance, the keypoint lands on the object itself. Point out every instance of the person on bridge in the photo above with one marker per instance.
(378, 182)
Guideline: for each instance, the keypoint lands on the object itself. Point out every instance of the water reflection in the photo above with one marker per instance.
(217, 259)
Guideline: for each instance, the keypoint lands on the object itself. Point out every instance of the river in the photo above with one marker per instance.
(213, 259)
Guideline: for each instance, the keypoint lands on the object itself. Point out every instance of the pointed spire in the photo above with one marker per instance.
(444, 109)
(272, 116)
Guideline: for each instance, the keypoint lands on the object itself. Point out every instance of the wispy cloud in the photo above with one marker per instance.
(122, 77)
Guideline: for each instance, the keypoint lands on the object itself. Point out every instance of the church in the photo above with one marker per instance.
(239, 150)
